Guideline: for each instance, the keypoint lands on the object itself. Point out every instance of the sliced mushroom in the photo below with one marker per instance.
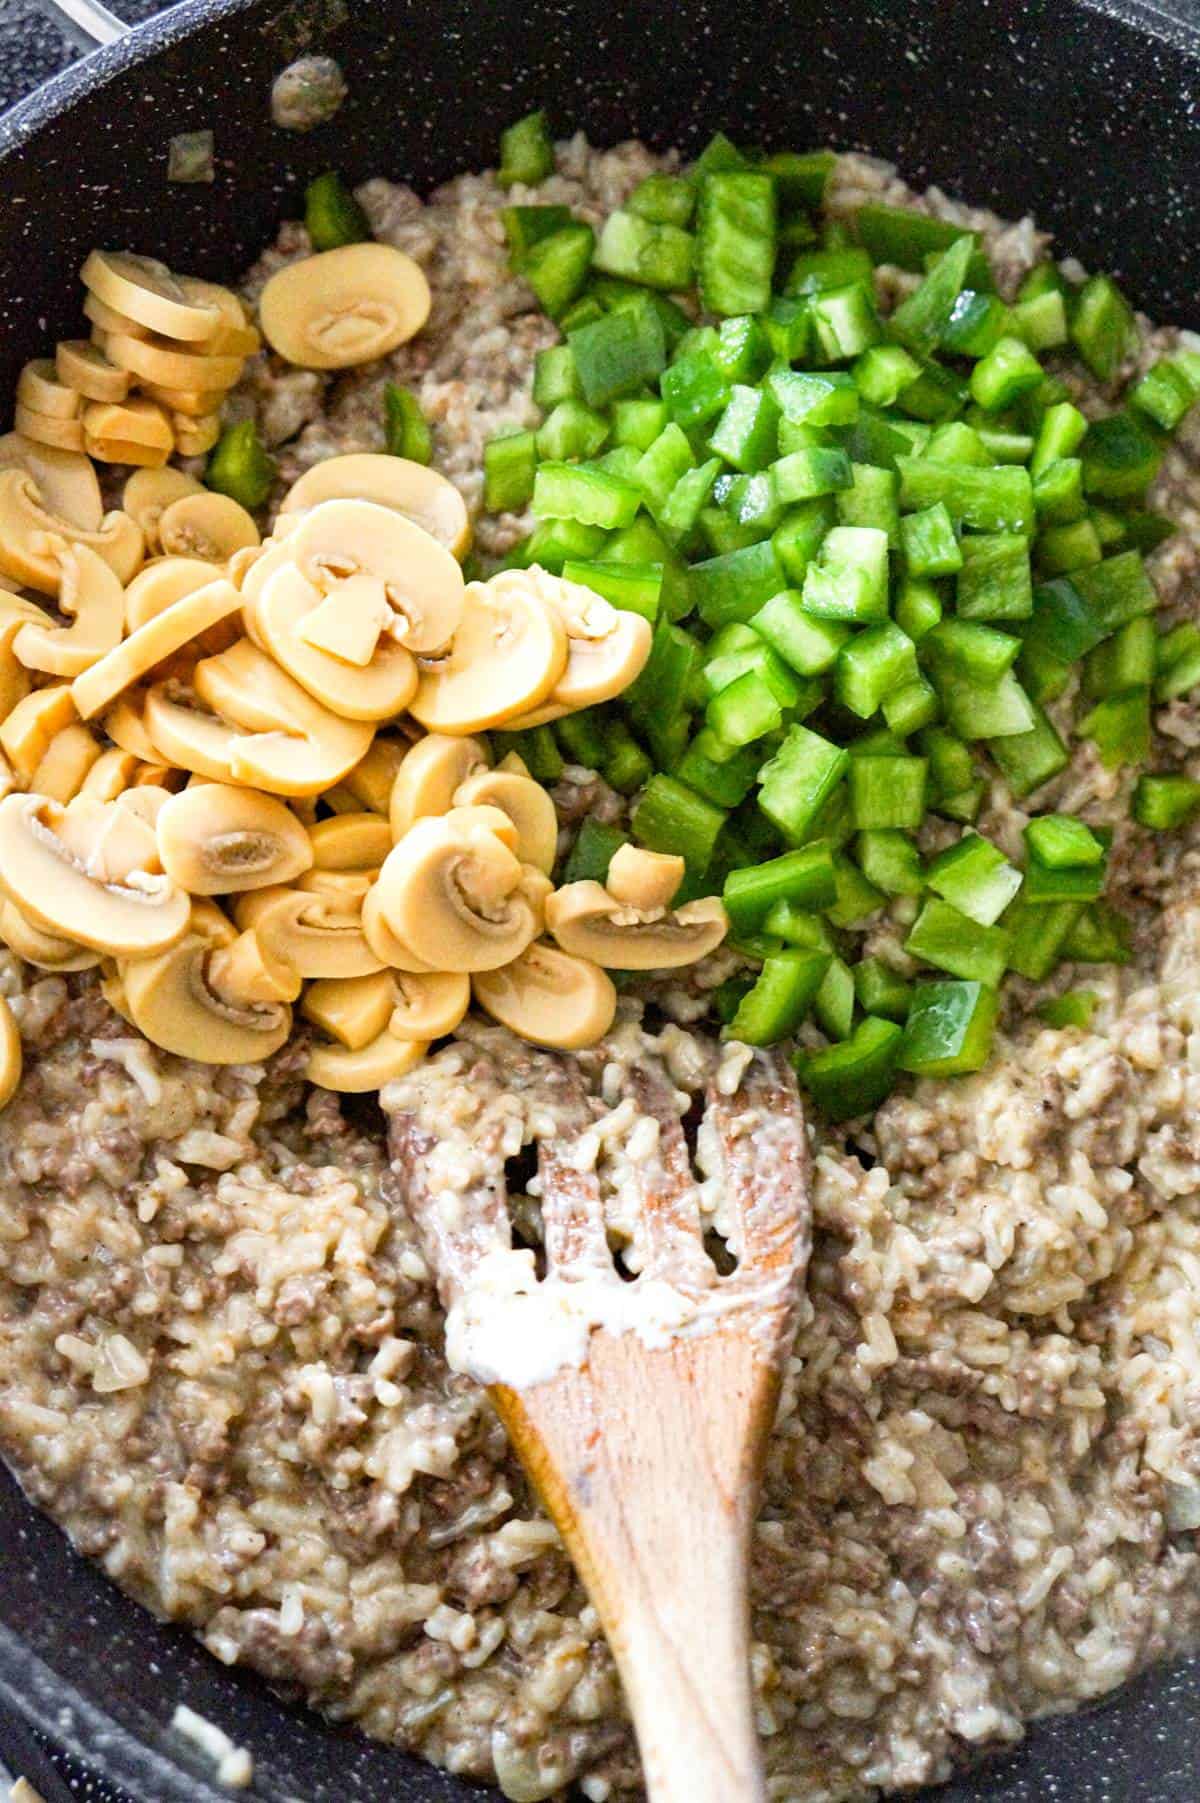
(527, 805)
(15, 682)
(416, 577)
(549, 998)
(108, 841)
(507, 654)
(384, 943)
(125, 726)
(171, 1000)
(67, 485)
(423, 496)
(245, 971)
(146, 291)
(68, 760)
(428, 1006)
(381, 1061)
(254, 572)
(607, 646)
(10, 1054)
(126, 451)
(159, 361)
(160, 637)
(148, 493)
(184, 736)
(133, 421)
(430, 773)
(159, 584)
(40, 387)
(590, 923)
(111, 774)
(220, 840)
(206, 525)
(317, 935)
(48, 429)
(344, 307)
(451, 889)
(350, 842)
(106, 319)
(85, 368)
(192, 403)
(193, 437)
(31, 538)
(370, 782)
(26, 733)
(38, 873)
(644, 879)
(93, 599)
(352, 1010)
(354, 884)
(293, 745)
(377, 688)
(234, 335)
(49, 951)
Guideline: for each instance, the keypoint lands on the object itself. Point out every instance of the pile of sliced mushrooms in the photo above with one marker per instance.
(241, 776)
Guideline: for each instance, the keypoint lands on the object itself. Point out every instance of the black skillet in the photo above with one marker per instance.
(1088, 114)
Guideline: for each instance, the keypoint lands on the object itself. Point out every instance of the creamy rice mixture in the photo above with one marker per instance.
(221, 1352)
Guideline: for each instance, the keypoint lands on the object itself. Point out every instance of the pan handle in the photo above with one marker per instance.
(88, 24)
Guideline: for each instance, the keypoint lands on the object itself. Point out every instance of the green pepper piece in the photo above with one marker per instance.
(526, 152)
(949, 1029)
(406, 430)
(239, 466)
(780, 998)
(855, 1076)
(332, 216)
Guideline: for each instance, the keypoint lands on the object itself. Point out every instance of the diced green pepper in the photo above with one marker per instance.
(943, 936)
(239, 466)
(949, 1028)
(975, 877)
(509, 465)
(332, 216)
(780, 998)
(854, 1076)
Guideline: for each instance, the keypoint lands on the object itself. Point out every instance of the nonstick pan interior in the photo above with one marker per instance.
(1086, 116)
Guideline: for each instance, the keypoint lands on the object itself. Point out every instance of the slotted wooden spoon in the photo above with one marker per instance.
(648, 1457)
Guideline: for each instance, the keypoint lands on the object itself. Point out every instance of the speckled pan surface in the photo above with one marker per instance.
(1090, 116)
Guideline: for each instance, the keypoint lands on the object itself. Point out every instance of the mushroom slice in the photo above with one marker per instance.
(158, 360)
(148, 492)
(67, 485)
(378, 687)
(252, 574)
(40, 387)
(451, 890)
(219, 840)
(91, 596)
(127, 451)
(428, 1006)
(31, 539)
(26, 733)
(293, 745)
(112, 773)
(186, 403)
(234, 335)
(49, 951)
(206, 525)
(317, 935)
(352, 1010)
(68, 761)
(381, 1061)
(133, 421)
(85, 368)
(549, 998)
(431, 772)
(160, 637)
(107, 319)
(371, 780)
(186, 737)
(527, 805)
(126, 728)
(423, 496)
(415, 576)
(509, 651)
(146, 291)
(354, 884)
(10, 1054)
(172, 1001)
(108, 841)
(607, 646)
(344, 307)
(193, 437)
(15, 682)
(48, 429)
(244, 970)
(133, 919)
(587, 921)
(350, 842)
(159, 584)
(644, 879)
(384, 943)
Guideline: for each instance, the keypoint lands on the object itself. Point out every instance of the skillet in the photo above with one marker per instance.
(1085, 111)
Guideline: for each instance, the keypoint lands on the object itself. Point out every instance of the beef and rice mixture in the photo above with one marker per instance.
(221, 1359)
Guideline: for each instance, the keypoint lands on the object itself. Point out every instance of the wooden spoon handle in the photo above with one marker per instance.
(646, 1461)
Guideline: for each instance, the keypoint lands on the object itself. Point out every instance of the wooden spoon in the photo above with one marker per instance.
(647, 1456)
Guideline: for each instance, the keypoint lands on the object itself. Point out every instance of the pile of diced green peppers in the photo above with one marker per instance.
(877, 551)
